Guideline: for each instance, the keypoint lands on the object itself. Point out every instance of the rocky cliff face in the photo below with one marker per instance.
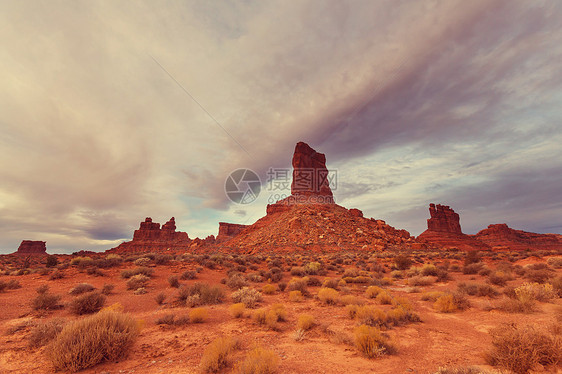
(310, 176)
(32, 247)
(228, 231)
(444, 231)
(150, 237)
(501, 236)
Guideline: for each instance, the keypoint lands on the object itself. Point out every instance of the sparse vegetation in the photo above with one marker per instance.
(106, 336)
(259, 361)
(217, 354)
(87, 303)
(371, 343)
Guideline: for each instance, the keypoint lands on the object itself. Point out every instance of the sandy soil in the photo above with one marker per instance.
(440, 340)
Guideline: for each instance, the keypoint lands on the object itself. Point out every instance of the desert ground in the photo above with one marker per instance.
(430, 311)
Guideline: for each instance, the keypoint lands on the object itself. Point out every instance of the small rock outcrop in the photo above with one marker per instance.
(501, 236)
(32, 247)
(444, 231)
(229, 230)
(150, 237)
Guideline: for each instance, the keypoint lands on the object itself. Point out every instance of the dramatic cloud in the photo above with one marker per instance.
(113, 111)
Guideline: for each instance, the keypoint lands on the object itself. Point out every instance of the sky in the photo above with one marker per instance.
(113, 111)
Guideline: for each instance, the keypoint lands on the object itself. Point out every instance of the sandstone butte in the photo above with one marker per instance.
(444, 231)
(310, 219)
(32, 247)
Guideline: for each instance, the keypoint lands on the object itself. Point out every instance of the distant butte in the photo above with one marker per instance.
(444, 231)
(32, 247)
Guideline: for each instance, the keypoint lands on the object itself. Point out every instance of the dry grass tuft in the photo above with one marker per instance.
(371, 342)
(106, 336)
(521, 349)
(259, 361)
(216, 355)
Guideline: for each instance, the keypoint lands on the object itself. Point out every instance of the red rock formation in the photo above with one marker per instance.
(150, 237)
(444, 219)
(32, 247)
(317, 227)
(501, 236)
(310, 175)
(229, 230)
(309, 219)
(444, 231)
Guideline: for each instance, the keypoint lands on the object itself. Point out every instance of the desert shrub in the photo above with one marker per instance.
(402, 262)
(538, 275)
(499, 278)
(189, 274)
(248, 296)
(140, 291)
(305, 322)
(236, 281)
(198, 315)
(369, 315)
(137, 281)
(44, 332)
(474, 289)
(297, 284)
(313, 281)
(350, 273)
(258, 361)
(462, 370)
(417, 281)
(520, 349)
(81, 262)
(142, 261)
(443, 275)
(268, 289)
(297, 271)
(259, 316)
(445, 304)
(516, 306)
(535, 291)
(81, 288)
(312, 268)
(255, 277)
(384, 298)
(472, 268)
(373, 291)
(166, 319)
(202, 293)
(461, 301)
(162, 259)
(296, 296)
(280, 311)
(107, 289)
(330, 283)
(328, 296)
(429, 269)
(237, 310)
(371, 343)
(44, 300)
(106, 336)
(52, 261)
(87, 303)
(432, 295)
(12, 284)
(557, 285)
(216, 355)
(160, 298)
(57, 274)
(174, 281)
(472, 257)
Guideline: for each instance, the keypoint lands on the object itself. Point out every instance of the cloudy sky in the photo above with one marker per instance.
(111, 111)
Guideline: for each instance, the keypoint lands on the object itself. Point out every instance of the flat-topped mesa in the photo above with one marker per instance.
(443, 219)
(229, 230)
(501, 236)
(150, 237)
(32, 247)
(310, 175)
